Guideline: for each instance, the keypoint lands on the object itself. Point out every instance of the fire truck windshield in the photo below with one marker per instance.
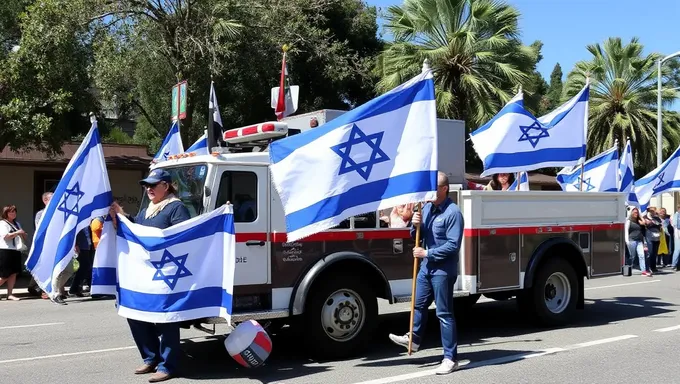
(189, 180)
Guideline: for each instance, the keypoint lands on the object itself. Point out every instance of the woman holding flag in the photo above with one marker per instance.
(164, 210)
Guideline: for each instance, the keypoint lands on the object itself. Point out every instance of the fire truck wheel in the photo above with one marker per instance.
(340, 316)
(554, 293)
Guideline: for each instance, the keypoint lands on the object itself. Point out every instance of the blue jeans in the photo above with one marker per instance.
(637, 248)
(164, 352)
(676, 252)
(440, 289)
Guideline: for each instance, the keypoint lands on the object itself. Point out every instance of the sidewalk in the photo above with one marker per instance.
(20, 288)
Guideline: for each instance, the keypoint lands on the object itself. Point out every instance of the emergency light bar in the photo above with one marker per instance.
(258, 132)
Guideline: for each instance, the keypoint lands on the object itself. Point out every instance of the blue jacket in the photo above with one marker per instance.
(441, 232)
(170, 215)
(84, 239)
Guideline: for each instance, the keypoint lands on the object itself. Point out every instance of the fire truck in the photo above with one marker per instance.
(537, 246)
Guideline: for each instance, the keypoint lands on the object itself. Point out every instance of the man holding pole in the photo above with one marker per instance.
(442, 233)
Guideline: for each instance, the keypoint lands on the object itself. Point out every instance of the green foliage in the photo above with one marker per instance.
(623, 100)
(474, 50)
(44, 96)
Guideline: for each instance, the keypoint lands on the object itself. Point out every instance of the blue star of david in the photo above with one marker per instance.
(658, 183)
(363, 168)
(542, 133)
(171, 279)
(71, 209)
(166, 154)
(586, 183)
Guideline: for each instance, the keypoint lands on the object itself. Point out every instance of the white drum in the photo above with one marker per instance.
(249, 344)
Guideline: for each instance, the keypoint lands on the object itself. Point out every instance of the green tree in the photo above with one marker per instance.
(623, 100)
(474, 50)
(44, 85)
(536, 87)
(554, 94)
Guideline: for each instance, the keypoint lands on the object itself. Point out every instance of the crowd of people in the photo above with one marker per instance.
(652, 239)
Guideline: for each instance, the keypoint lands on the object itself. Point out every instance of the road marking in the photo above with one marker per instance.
(623, 285)
(431, 372)
(601, 341)
(66, 354)
(29, 325)
(667, 329)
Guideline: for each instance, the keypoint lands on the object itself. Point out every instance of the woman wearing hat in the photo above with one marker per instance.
(164, 210)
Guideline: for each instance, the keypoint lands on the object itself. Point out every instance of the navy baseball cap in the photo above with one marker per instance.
(156, 176)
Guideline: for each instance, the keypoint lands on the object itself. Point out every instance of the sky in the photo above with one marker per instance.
(566, 27)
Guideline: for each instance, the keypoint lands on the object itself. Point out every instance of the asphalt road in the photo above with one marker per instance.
(630, 328)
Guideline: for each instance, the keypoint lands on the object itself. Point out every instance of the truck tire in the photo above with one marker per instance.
(340, 316)
(553, 297)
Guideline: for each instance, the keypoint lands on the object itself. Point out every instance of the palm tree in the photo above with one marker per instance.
(473, 47)
(623, 100)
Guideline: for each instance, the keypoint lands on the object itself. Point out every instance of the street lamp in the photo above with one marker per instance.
(659, 138)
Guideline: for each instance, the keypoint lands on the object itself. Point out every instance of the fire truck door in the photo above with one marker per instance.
(246, 188)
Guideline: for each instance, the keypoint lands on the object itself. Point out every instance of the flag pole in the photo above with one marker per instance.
(581, 188)
(519, 180)
(413, 283)
(586, 118)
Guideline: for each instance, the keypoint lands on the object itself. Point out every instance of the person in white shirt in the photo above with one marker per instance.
(12, 242)
(675, 223)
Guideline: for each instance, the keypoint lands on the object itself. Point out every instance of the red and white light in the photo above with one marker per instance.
(264, 131)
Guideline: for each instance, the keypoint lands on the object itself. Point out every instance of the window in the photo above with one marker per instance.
(240, 189)
(189, 180)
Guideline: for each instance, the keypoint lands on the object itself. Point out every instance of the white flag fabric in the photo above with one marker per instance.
(665, 178)
(600, 174)
(172, 145)
(217, 118)
(82, 194)
(378, 155)
(514, 140)
(200, 147)
(180, 273)
(627, 173)
(523, 180)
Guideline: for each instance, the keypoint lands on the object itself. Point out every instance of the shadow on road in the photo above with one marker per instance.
(484, 326)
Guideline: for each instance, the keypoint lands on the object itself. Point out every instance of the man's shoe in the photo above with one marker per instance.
(146, 368)
(403, 341)
(159, 376)
(447, 366)
(58, 300)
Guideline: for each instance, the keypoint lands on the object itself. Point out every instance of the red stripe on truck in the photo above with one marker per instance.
(386, 234)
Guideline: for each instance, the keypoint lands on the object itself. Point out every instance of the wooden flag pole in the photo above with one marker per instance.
(413, 284)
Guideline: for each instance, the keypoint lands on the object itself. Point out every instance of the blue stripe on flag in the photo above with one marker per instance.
(104, 276)
(413, 182)
(51, 208)
(516, 107)
(421, 91)
(222, 223)
(506, 160)
(584, 97)
(176, 301)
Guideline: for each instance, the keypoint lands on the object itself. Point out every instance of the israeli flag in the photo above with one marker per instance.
(104, 266)
(184, 272)
(378, 155)
(514, 140)
(172, 145)
(627, 173)
(600, 174)
(665, 178)
(200, 147)
(82, 194)
(523, 180)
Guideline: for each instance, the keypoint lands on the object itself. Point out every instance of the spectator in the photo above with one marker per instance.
(12, 242)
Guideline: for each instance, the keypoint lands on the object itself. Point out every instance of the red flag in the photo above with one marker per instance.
(281, 102)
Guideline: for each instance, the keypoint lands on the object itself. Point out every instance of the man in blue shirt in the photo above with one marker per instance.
(442, 234)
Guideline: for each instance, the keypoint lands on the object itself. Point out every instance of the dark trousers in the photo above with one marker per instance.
(157, 343)
(84, 272)
(440, 289)
(653, 249)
